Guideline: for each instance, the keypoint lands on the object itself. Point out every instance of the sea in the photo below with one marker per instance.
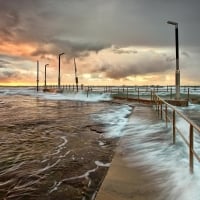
(28, 118)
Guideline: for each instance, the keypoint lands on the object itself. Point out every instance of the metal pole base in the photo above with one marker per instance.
(177, 84)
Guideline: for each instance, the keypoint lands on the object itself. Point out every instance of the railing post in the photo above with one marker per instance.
(157, 103)
(88, 91)
(161, 114)
(174, 127)
(170, 93)
(158, 107)
(127, 93)
(191, 150)
(166, 113)
(188, 94)
(138, 94)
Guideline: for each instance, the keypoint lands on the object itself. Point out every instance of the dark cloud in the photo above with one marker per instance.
(128, 22)
(117, 72)
(8, 24)
(17, 17)
(78, 27)
(153, 63)
(9, 75)
(119, 50)
(71, 48)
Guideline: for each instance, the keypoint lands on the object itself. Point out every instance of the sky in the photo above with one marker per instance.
(115, 42)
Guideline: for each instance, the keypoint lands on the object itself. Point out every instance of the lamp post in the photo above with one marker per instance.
(177, 73)
(45, 75)
(37, 75)
(59, 69)
(76, 77)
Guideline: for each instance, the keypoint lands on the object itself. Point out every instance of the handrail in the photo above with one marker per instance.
(159, 102)
(180, 113)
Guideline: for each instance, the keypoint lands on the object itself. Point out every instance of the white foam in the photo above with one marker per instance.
(101, 143)
(85, 175)
(115, 119)
(79, 96)
(66, 95)
(150, 145)
(26, 91)
(101, 164)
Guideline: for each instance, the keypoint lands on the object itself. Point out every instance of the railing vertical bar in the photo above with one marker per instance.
(191, 149)
(170, 93)
(174, 127)
(166, 114)
(156, 103)
(188, 95)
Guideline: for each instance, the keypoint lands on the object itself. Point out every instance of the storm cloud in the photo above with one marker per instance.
(128, 22)
(147, 62)
(83, 27)
(71, 48)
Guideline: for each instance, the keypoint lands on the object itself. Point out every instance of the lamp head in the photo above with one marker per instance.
(61, 54)
(172, 23)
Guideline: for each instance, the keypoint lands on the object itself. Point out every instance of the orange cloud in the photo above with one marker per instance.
(17, 49)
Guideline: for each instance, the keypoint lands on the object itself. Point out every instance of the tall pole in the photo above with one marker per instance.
(177, 73)
(59, 69)
(45, 75)
(177, 64)
(76, 77)
(37, 75)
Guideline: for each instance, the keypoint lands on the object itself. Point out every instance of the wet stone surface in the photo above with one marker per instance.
(52, 150)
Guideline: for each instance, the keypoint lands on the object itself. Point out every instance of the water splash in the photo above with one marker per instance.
(79, 96)
(149, 144)
(115, 119)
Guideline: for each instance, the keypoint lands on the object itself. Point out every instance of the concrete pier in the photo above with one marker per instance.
(131, 182)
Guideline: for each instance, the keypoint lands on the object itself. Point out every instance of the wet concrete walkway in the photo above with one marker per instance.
(130, 182)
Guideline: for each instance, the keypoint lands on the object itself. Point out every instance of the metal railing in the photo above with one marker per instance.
(190, 93)
(169, 113)
(144, 92)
